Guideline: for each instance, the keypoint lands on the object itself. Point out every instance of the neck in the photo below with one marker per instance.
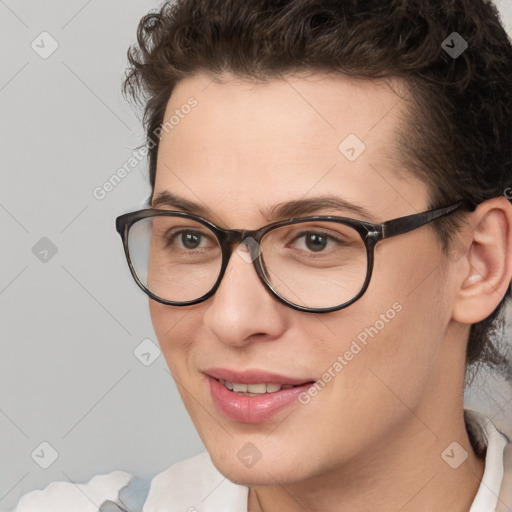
(405, 472)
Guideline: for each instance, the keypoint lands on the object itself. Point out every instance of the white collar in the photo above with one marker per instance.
(486, 499)
(194, 485)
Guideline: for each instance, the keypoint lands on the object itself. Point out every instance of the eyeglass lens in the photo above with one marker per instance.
(315, 264)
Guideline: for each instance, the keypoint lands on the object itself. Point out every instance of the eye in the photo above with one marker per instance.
(190, 239)
(315, 241)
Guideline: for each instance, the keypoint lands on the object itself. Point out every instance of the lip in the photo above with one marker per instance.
(253, 376)
(253, 409)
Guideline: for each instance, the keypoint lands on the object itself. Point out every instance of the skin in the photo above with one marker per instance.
(379, 427)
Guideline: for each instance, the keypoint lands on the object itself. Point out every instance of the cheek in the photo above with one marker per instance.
(173, 331)
(406, 353)
(396, 330)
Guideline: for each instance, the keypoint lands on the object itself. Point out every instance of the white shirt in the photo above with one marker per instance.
(195, 485)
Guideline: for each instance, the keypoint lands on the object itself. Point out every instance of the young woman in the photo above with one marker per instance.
(327, 250)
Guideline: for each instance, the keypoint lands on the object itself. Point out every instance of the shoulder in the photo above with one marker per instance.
(190, 484)
(85, 497)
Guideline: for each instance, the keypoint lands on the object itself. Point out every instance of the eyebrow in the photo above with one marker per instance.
(313, 205)
(281, 211)
(165, 198)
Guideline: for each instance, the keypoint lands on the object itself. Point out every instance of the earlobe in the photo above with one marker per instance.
(487, 263)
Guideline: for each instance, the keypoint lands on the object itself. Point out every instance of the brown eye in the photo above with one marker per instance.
(190, 240)
(315, 242)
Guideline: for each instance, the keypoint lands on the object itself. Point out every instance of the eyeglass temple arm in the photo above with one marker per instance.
(416, 220)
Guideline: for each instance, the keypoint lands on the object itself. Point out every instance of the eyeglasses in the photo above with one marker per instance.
(314, 264)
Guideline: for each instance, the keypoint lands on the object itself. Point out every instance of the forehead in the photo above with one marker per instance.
(249, 142)
(316, 103)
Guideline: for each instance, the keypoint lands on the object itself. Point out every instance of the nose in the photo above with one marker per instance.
(242, 310)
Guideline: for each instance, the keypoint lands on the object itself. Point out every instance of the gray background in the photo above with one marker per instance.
(71, 321)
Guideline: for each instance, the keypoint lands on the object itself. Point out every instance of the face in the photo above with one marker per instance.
(244, 149)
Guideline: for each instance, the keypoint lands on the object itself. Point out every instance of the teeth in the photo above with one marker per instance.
(254, 389)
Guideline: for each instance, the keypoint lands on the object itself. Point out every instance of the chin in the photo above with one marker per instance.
(255, 476)
(263, 472)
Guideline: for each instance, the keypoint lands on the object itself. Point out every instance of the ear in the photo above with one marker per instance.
(485, 270)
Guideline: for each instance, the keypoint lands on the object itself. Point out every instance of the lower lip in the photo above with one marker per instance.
(253, 409)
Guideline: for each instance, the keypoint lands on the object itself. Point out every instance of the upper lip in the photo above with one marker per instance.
(253, 376)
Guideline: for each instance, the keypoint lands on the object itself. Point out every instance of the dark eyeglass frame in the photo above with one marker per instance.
(370, 234)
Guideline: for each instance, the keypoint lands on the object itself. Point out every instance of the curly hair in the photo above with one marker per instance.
(457, 136)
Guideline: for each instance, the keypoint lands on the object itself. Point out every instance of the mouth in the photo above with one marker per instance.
(253, 396)
(257, 389)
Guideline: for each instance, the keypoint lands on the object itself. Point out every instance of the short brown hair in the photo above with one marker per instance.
(458, 135)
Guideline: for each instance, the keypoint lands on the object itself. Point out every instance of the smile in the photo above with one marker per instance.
(256, 400)
(254, 389)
